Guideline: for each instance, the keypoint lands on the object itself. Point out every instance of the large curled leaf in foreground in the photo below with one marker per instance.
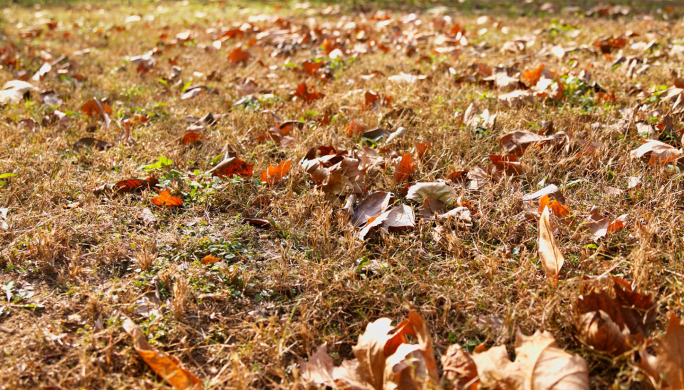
(668, 363)
(166, 366)
(539, 365)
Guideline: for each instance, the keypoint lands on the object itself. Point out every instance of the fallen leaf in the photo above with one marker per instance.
(516, 99)
(668, 363)
(614, 318)
(539, 364)
(91, 143)
(165, 199)
(660, 152)
(517, 142)
(437, 190)
(95, 107)
(237, 56)
(404, 167)
(14, 91)
(192, 137)
(275, 173)
(303, 92)
(166, 366)
(602, 226)
(232, 166)
(431, 207)
(552, 191)
(558, 209)
(459, 367)
(258, 222)
(549, 253)
(132, 185)
(371, 206)
(210, 259)
(399, 218)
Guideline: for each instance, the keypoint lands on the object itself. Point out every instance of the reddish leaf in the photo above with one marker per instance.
(233, 167)
(404, 168)
(238, 55)
(192, 137)
(558, 209)
(311, 67)
(132, 185)
(422, 148)
(308, 97)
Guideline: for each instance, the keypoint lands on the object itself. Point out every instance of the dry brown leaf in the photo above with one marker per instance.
(668, 363)
(549, 253)
(371, 206)
(459, 367)
(539, 365)
(660, 152)
(210, 259)
(431, 206)
(517, 141)
(614, 318)
(166, 366)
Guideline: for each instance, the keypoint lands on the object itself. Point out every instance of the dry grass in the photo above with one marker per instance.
(278, 293)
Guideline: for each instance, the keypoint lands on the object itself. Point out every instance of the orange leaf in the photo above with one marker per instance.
(91, 109)
(405, 167)
(209, 259)
(558, 209)
(355, 128)
(531, 77)
(165, 199)
(275, 173)
(238, 55)
(167, 366)
(192, 137)
(233, 167)
(422, 148)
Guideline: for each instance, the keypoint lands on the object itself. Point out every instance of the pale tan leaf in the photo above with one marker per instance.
(438, 190)
(549, 253)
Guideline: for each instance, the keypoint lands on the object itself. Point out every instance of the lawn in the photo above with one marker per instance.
(204, 194)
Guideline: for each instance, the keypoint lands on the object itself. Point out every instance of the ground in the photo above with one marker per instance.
(77, 258)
